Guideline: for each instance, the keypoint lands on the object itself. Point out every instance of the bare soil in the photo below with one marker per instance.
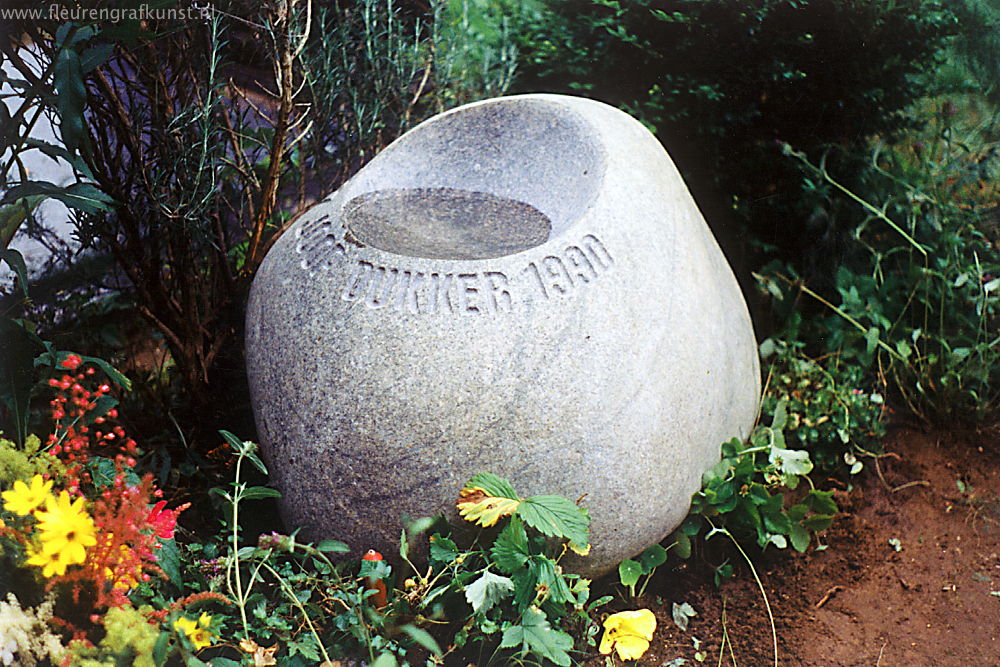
(935, 601)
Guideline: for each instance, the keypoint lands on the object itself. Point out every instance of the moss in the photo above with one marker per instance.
(21, 463)
(129, 640)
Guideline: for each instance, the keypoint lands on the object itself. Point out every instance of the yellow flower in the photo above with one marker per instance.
(125, 580)
(628, 633)
(65, 529)
(51, 564)
(198, 632)
(22, 499)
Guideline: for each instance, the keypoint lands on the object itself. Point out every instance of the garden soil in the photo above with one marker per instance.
(932, 598)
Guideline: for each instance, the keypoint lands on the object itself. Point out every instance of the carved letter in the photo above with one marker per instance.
(406, 300)
(469, 291)
(440, 298)
(380, 288)
(358, 282)
(500, 300)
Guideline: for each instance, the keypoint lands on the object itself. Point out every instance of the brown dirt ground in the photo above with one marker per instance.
(860, 602)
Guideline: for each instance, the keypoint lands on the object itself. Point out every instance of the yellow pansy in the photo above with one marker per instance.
(197, 632)
(628, 633)
(23, 499)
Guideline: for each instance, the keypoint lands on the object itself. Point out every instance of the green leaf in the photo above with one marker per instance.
(557, 516)
(799, 537)
(817, 522)
(443, 549)
(60, 153)
(628, 572)
(256, 492)
(113, 373)
(653, 557)
(160, 648)
(780, 415)
(536, 636)
(871, 340)
(168, 557)
(775, 519)
(332, 546)
(385, 660)
(12, 216)
(487, 590)
(81, 196)
(683, 542)
(17, 375)
(486, 498)
(102, 406)
(821, 502)
(493, 485)
(95, 56)
(510, 550)
(244, 448)
(422, 638)
(71, 97)
(545, 573)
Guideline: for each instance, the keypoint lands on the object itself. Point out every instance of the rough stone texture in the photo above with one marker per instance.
(588, 340)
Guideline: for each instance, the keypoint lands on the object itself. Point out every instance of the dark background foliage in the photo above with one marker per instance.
(724, 82)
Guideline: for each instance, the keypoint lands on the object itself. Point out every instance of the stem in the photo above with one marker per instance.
(240, 599)
(760, 584)
(286, 589)
(860, 327)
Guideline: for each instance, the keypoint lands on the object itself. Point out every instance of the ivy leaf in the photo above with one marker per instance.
(535, 635)
(486, 498)
(557, 516)
(510, 550)
(488, 590)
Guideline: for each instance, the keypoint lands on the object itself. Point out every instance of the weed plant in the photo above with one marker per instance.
(917, 299)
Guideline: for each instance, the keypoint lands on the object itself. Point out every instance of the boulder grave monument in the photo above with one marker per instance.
(521, 286)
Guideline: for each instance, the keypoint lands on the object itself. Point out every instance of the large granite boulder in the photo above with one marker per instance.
(520, 286)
